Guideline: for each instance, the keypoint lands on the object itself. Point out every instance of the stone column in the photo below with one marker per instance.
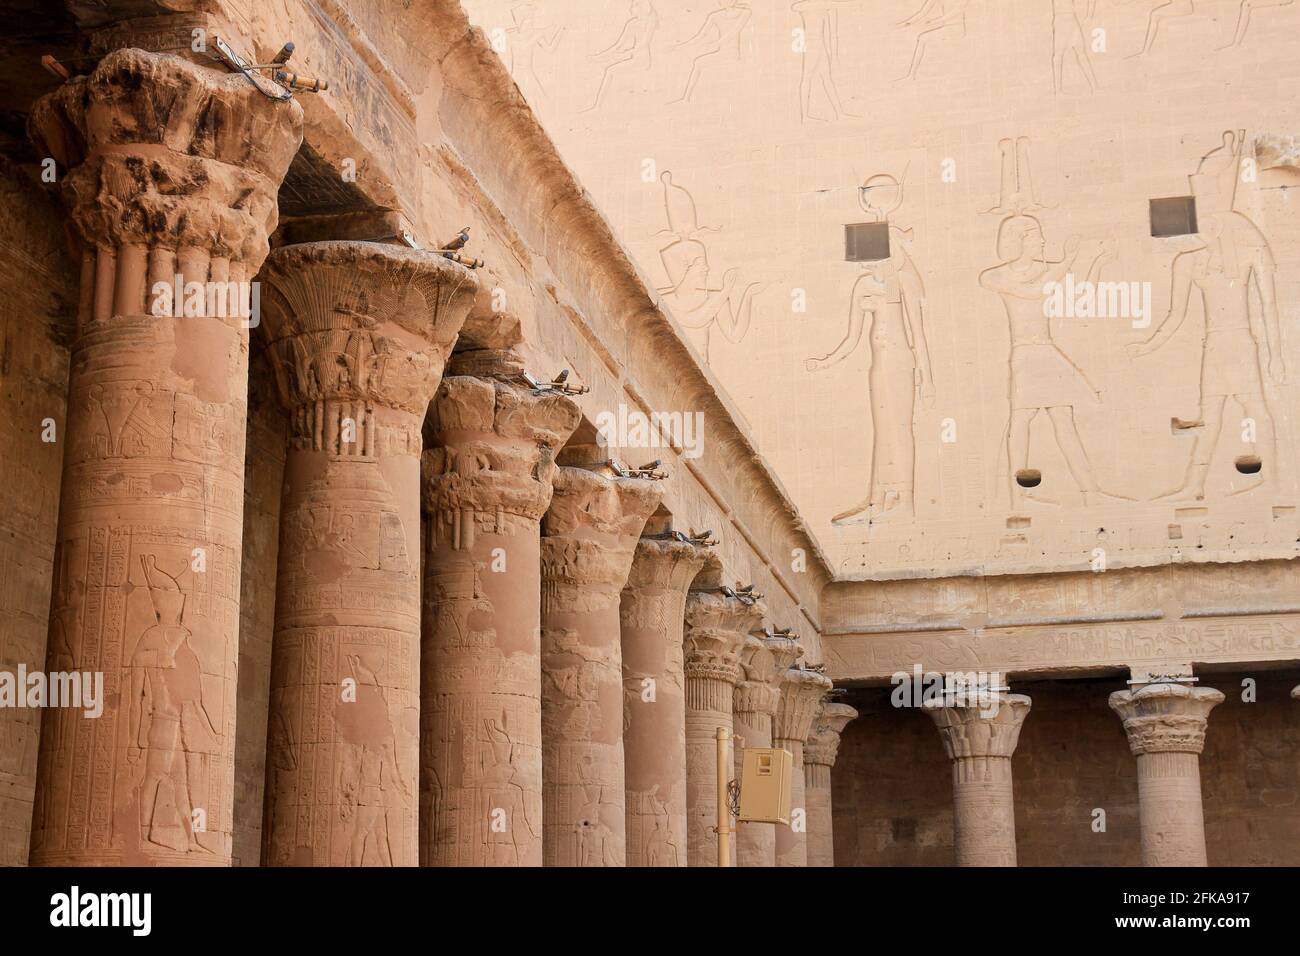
(488, 474)
(717, 626)
(589, 536)
(359, 333)
(169, 168)
(818, 757)
(979, 739)
(654, 700)
(1165, 724)
(764, 659)
(802, 691)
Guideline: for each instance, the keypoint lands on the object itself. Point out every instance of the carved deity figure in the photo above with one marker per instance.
(1226, 266)
(888, 300)
(720, 30)
(938, 19)
(631, 49)
(1043, 378)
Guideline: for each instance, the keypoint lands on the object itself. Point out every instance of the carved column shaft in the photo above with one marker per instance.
(979, 739)
(716, 629)
(818, 758)
(654, 700)
(764, 661)
(359, 333)
(169, 169)
(801, 696)
(589, 536)
(1166, 724)
(487, 484)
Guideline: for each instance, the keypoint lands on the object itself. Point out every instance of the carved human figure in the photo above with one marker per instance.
(717, 35)
(1226, 266)
(888, 300)
(1043, 378)
(359, 333)
(1068, 40)
(937, 19)
(1243, 18)
(153, 454)
(699, 305)
(1165, 724)
(819, 21)
(630, 50)
(1161, 13)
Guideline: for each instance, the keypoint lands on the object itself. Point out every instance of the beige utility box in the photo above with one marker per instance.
(765, 785)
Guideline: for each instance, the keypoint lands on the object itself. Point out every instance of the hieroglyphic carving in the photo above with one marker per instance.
(819, 20)
(487, 483)
(151, 521)
(1165, 724)
(979, 738)
(359, 333)
(651, 613)
(1223, 264)
(631, 47)
(589, 537)
(888, 302)
(1068, 40)
(721, 30)
(937, 19)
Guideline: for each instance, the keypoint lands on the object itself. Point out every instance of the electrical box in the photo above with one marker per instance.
(765, 776)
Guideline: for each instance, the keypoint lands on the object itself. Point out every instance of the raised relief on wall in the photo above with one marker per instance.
(888, 303)
(717, 43)
(936, 20)
(1042, 378)
(1227, 267)
(1068, 41)
(819, 47)
(700, 301)
(630, 51)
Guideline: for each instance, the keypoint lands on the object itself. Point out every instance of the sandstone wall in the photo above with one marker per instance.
(36, 314)
(892, 792)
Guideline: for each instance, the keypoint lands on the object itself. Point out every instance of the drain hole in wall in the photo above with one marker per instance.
(1029, 478)
(1249, 464)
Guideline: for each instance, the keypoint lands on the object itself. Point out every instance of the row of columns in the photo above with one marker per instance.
(519, 679)
(1165, 724)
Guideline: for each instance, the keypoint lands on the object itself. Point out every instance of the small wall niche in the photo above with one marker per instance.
(1175, 216)
(866, 241)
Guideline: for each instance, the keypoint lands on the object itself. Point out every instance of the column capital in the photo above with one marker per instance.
(802, 691)
(665, 565)
(362, 322)
(155, 150)
(823, 744)
(989, 727)
(592, 525)
(1165, 718)
(764, 659)
(716, 629)
(492, 447)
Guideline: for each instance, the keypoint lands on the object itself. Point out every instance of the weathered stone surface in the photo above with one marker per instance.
(819, 755)
(651, 614)
(979, 738)
(359, 333)
(764, 660)
(802, 691)
(488, 480)
(167, 168)
(589, 539)
(1165, 724)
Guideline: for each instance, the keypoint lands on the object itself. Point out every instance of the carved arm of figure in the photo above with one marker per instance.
(857, 321)
(914, 320)
(1184, 264)
(1262, 270)
(708, 21)
(921, 14)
